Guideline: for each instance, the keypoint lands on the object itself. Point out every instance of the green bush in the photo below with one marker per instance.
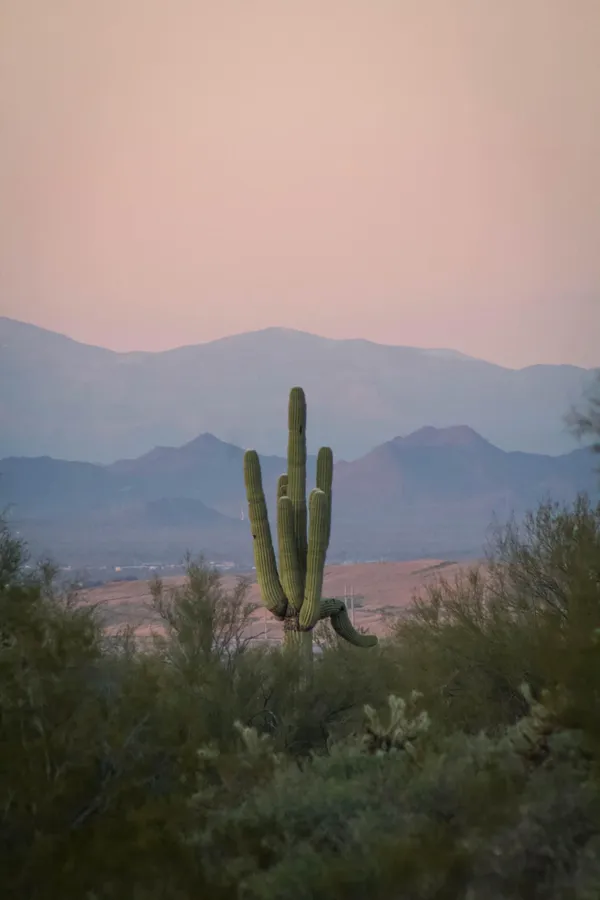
(468, 817)
(200, 765)
(531, 615)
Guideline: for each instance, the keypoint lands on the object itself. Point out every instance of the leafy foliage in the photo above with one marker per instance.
(457, 759)
(529, 616)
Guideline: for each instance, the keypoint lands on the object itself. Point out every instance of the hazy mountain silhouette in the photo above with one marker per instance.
(433, 492)
(205, 468)
(438, 490)
(69, 400)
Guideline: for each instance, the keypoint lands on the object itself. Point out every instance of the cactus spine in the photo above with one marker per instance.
(293, 593)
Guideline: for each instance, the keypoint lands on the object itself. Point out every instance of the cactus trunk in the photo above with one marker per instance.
(293, 593)
(297, 641)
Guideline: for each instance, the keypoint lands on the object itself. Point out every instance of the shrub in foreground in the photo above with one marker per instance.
(203, 766)
(530, 615)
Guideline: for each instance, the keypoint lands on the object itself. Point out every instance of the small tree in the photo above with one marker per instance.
(204, 622)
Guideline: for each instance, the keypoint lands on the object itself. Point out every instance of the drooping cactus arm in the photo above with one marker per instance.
(296, 473)
(342, 625)
(315, 564)
(330, 606)
(272, 593)
(335, 609)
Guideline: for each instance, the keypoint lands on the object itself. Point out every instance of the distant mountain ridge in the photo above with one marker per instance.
(456, 435)
(431, 493)
(71, 401)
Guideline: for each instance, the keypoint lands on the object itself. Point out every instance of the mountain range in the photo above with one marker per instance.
(68, 400)
(432, 493)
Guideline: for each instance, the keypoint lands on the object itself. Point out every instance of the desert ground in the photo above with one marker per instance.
(382, 591)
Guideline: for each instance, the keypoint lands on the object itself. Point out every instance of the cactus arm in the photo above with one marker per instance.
(335, 609)
(296, 485)
(291, 575)
(325, 479)
(264, 555)
(330, 606)
(282, 483)
(315, 564)
(341, 624)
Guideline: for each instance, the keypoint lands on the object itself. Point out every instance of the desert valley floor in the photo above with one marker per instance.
(383, 590)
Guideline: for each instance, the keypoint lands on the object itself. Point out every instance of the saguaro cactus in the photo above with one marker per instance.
(293, 594)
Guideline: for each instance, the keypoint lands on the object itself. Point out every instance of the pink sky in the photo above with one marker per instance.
(420, 172)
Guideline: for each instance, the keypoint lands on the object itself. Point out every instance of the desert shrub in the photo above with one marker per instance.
(95, 740)
(465, 816)
(210, 665)
(304, 715)
(100, 738)
(75, 759)
(530, 615)
(201, 765)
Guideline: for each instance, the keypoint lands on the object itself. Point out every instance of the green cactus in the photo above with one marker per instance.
(293, 594)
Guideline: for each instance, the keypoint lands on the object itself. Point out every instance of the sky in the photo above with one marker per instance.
(416, 172)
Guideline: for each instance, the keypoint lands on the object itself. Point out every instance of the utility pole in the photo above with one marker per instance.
(349, 595)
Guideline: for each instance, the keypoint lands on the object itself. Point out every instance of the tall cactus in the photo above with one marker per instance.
(293, 594)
